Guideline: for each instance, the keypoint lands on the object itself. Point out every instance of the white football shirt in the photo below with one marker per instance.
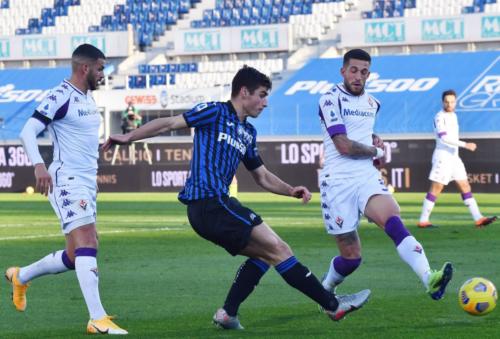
(341, 112)
(446, 126)
(73, 121)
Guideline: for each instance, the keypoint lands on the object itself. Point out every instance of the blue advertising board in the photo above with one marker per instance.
(20, 92)
(409, 88)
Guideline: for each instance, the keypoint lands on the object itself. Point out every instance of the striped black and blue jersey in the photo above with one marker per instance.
(221, 141)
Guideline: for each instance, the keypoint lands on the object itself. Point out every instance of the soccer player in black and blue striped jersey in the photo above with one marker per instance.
(223, 138)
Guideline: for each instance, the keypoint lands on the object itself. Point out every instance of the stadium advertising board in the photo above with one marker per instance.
(231, 40)
(419, 30)
(21, 90)
(297, 162)
(409, 88)
(159, 98)
(26, 47)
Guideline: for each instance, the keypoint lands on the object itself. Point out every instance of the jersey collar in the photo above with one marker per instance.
(70, 84)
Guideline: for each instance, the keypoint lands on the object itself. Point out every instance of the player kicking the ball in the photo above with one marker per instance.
(351, 186)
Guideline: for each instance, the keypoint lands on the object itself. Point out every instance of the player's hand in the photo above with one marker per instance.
(470, 146)
(115, 139)
(43, 179)
(378, 141)
(301, 192)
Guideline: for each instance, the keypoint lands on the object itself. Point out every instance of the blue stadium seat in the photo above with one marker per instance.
(4, 4)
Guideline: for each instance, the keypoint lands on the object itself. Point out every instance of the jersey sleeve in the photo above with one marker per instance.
(440, 125)
(202, 114)
(330, 108)
(53, 107)
(252, 159)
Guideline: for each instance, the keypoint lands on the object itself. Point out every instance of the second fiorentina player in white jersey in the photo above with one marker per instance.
(343, 112)
(351, 186)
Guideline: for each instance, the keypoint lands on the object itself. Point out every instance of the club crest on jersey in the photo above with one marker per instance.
(418, 249)
(83, 204)
(339, 221)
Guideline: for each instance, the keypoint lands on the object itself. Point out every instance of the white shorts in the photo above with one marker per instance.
(446, 169)
(75, 205)
(343, 201)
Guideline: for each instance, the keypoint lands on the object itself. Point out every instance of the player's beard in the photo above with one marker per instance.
(352, 91)
(92, 82)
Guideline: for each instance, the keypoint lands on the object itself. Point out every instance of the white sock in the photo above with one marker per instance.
(50, 264)
(87, 274)
(333, 278)
(426, 210)
(412, 253)
(473, 208)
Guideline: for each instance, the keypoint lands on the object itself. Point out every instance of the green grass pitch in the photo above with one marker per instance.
(163, 281)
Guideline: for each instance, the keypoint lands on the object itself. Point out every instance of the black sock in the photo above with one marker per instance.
(299, 277)
(247, 277)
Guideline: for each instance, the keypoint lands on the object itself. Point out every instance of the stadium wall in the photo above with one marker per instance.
(297, 162)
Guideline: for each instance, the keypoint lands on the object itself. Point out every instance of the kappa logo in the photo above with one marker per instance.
(483, 94)
(70, 214)
(327, 216)
(344, 99)
(59, 91)
(63, 193)
(328, 103)
(52, 97)
(66, 202)
(252, 216)
(230, 124)
(339, 221)
(64, 86)
(76, 99)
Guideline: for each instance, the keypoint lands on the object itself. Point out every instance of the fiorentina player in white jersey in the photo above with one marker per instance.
(351, 186)
(447, 165)
(72, 118)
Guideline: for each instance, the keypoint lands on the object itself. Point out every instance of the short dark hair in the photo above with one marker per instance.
(448, 92)
(357, 54)
(88, 51)
(250, 78)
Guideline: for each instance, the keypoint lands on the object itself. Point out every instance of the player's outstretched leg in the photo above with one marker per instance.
(225, 321)
(438, 280)
(18, 288)
(19, 277)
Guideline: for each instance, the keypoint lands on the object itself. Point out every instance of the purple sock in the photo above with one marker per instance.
(344, 266)
(466, 196)
(396, 230)
(431, 197)
(67, 262)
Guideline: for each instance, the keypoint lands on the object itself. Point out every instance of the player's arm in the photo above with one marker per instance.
(151, 129)
(355, 149)
(271, 183)
(442, 134)
(28, 135)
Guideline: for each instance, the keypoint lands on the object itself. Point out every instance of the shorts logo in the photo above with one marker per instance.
(339, 221)
(418, 249)
(63, 193)
(252, 216)
(83, 204)
(66, 202)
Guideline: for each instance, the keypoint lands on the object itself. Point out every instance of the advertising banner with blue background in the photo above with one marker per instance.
(409, 88)
(20, 92)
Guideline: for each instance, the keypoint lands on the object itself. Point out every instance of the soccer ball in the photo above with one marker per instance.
(478, 296)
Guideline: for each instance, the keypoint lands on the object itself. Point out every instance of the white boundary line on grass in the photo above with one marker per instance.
(53, 235)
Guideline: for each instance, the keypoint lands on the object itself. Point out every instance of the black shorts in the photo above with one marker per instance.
(223, 221)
